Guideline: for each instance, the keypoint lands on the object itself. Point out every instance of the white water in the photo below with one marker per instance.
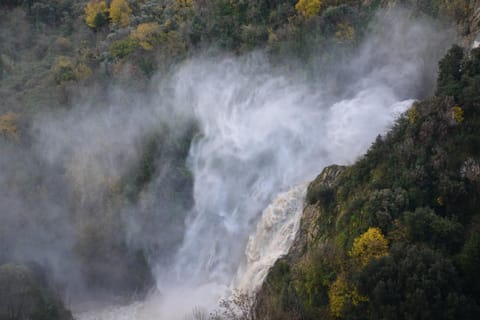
(264, 131)
(272, 239)
(254, 146)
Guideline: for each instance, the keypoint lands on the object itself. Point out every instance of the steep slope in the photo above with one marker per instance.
(396, 235)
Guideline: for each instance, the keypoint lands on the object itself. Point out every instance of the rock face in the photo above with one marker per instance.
(25, 294)
(308, 230)
(474, 23)
(309, 239)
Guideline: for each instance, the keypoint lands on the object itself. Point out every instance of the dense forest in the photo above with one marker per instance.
(396, 235)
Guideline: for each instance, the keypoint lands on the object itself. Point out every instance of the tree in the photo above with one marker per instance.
(238, 307)
(414, 283)
(96, 13)
(308, 8)
(469, 261)
(458, 114)
(122, 48)
(345, 32)
(443, 233)
(120, 13)
(11, 3)
(342, 296)
(8, 125)
(145, 34)
(339, 295)
(24, 296)
(448, 83)
(16, 298)
(66, 69)
(371, 244)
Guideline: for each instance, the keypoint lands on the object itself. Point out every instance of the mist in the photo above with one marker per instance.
(260, 130)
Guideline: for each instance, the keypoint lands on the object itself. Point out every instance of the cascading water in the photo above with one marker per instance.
(273, 237)
(262, 132)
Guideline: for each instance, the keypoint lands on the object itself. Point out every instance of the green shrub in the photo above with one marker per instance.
(50, 12)
(425, 226)
(122, 48)
(450, 74)
(469, 261)
(414, 283)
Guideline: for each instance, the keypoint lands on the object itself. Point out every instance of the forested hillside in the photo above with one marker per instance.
(396, 235)
(96, 183)
(51, 49)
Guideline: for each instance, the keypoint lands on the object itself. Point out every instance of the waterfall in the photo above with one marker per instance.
(262, 131)
(272, 237)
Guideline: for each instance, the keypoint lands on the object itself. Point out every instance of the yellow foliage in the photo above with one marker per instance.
(120, 12)
(357, 297)
(82, 71)
(62, 69)
(62, 62)
(371, 244)
(308, 8)
(413, 114)
(144, 34)
(8, 125)
(458, 114)
(93, 8)
(440, 201)
(338, 296)
(378, 174)
(272, 37)
(182, 9)
(345, 32)
(178, 4)
(65, 69)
